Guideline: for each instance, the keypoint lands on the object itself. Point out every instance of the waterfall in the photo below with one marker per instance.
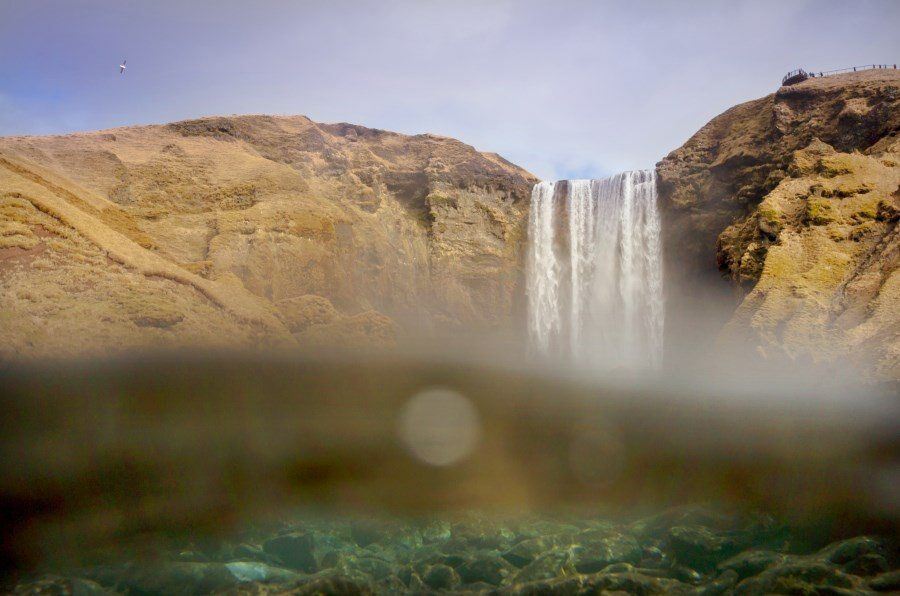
(594, 277)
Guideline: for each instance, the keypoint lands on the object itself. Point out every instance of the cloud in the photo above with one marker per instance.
(569, 88)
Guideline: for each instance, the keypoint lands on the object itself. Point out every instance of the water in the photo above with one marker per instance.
(594, 276)
(401, 473)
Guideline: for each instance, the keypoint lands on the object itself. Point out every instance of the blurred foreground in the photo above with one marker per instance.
(349, 472)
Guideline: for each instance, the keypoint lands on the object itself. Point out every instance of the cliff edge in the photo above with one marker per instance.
(794, 199)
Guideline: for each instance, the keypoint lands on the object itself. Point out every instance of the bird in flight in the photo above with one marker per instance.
(122, 67)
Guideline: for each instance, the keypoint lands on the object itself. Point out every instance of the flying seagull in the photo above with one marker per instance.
(122, 67)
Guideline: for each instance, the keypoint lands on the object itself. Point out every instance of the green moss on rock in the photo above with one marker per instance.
(819, 212)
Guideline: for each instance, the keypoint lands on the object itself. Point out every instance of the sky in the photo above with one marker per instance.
(566, 89)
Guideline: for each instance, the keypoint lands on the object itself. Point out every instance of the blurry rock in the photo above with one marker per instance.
(365, 534)
(546, 529)
(599, 583)
(296, 550)
(373, 567)
(330, 559)
(723, 584)
(686, 575)
(804, 576)
(850, 550)
(333, 584)
(869, 564)
(482, 534)
(659, 524)
(415, 584)
(863, 555)
(886, 582)
(53, 585)
(249, 552)
(391, 585)
(454, 560)
(699, 547)
(751, 563)
(196, 578)
(487, 567)
(441, 577)
(558, 585)
(634, 583)
(526, 551)
(556, 563)
(623, 568)
(596, 549)
(479, 588)
(436, 532)
(653, 556)
(254, 571)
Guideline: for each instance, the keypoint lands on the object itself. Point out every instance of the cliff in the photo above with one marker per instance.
(779, 229)
(793, 198)
(252, 230)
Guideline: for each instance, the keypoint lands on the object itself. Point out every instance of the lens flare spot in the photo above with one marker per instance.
(440, 427)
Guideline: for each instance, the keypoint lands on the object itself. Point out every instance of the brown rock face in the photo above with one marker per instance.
(308, 227)
(793, 198)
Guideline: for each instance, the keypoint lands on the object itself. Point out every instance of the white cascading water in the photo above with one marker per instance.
(595, 270)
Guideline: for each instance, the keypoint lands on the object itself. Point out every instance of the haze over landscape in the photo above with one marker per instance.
(494, 298)
(564, 89)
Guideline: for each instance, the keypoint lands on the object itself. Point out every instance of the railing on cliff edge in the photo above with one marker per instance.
(800, 75)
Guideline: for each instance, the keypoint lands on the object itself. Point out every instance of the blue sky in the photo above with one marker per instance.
(563, 88)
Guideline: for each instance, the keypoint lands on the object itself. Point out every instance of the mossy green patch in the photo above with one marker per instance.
(865, 213)
(827, 272)
(850, 188)
(819, 212)
(769, 215)
(837, 164)
(770, 222)
(779, 264)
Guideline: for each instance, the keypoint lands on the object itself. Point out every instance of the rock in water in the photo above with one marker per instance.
(441, 577)
(296, 550)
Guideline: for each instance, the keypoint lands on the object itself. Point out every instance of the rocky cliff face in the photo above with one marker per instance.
(794, 198)
(253, 229)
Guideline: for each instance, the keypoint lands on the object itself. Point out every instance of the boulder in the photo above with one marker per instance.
(441, 577)
(698, 547)
(552, 564)
(596, 549)
(886, 582)
(486, 567)
(51, 585)
(805, 576)
(751, 563)
(296, 550)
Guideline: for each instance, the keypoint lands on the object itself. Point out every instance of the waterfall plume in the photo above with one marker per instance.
(594, 277)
